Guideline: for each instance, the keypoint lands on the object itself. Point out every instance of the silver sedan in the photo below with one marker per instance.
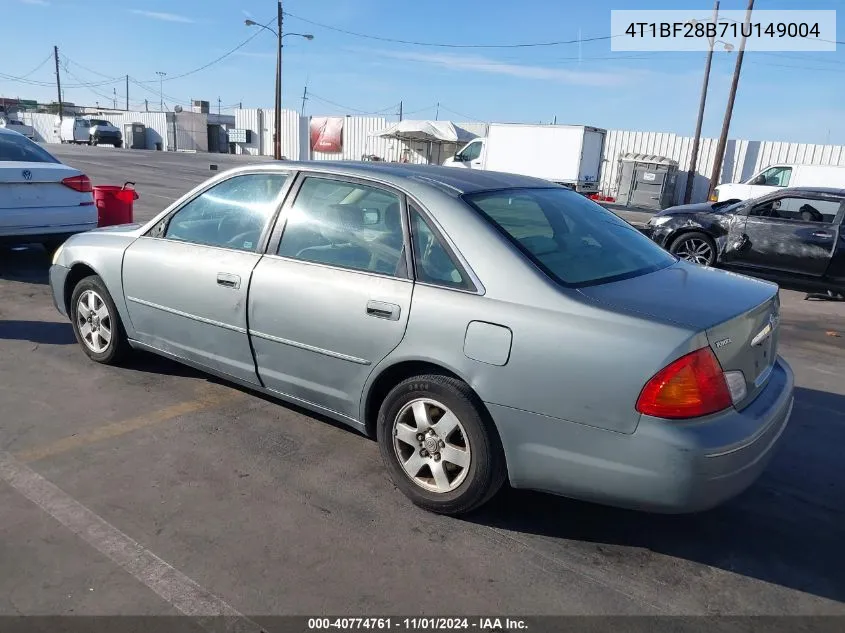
(484, 327)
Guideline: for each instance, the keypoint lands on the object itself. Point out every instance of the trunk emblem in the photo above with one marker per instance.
(27, 175)
(722, 343)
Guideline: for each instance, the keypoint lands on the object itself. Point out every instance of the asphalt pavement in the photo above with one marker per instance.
(152, 489)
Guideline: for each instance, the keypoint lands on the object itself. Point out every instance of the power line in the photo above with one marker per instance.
(445, 45)
(214, 61)
(37, 68)
(156, 93)
(349, 108)
(465, 116)
(90, 70)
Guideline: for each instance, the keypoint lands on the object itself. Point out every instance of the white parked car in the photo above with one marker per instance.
(776, 177)
(41, 199)
(18, 126)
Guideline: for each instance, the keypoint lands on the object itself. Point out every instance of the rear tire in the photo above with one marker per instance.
(459, 464)
(118, 144)
(96, 322)
(695, 247)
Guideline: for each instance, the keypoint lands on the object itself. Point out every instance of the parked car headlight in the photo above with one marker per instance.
(657, 220)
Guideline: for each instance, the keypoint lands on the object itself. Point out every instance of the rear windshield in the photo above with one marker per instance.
(14, 147)
(574, 240)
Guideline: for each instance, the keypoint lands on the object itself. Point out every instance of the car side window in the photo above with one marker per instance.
(231, 214)
(777, 176)
(799, 209)
(433, 263)
(471, 151)
(346, 224)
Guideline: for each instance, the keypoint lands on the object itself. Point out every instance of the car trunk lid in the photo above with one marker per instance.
(25, 185)
(739, 315)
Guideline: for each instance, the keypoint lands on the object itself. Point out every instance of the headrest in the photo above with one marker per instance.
(392, 217)
(339, 220)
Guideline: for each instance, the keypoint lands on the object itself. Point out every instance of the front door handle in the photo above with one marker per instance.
(381, 310)
(822, 235)
(228, 280)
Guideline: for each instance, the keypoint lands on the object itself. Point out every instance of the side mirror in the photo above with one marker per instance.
(458, 157)
(759, 180)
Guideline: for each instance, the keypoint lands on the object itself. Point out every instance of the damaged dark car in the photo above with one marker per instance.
(792, 236)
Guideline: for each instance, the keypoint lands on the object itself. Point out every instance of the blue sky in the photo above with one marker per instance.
(782, 96)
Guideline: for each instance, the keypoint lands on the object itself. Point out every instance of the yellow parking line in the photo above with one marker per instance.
(207, 398)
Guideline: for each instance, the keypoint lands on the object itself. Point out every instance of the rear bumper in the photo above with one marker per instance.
(58, 276)
(662, 467)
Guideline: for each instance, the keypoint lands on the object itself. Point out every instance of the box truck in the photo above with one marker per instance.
(570, 155)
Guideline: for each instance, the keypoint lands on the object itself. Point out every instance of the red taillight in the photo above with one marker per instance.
(690, 387)
(79, 183)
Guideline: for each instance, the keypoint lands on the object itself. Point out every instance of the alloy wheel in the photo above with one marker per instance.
(431, 445)
(94, 321)
(695, 250)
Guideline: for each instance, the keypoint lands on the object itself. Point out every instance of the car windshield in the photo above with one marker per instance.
(98, 122)
(727, 205)
(14, 147)
(572, 239)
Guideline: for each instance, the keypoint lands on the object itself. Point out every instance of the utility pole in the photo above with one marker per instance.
(146, 105)
(161, 76)
(240, 105)
(127, 93)
(437, 112)
(400, 110)
(726, 123)
(277, 123)
(304, 99)
(697, 138)
(218, 106)
(58, 81)
(114, 97)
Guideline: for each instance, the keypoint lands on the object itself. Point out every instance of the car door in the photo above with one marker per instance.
(331, 297)
(792, 233)
(186, 281)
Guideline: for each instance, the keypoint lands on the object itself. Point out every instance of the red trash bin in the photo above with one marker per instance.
(114, 204)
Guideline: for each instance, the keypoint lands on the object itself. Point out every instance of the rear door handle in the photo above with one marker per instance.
(228, 280)
(822, 234)
(381, 310)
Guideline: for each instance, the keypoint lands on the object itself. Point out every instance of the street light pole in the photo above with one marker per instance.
(726, 122)
(161, 76)
(277, 122)
(697, 138)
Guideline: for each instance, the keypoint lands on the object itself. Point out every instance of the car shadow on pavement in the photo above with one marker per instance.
(787, 529)
(29, 264)
(42, 332)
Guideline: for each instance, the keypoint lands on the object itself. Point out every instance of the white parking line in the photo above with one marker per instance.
(176, 588)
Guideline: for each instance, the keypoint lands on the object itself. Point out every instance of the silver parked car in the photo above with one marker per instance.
(482, 326)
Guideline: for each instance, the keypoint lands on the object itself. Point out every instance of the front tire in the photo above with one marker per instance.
(696, 247)
(439, 446)
(96, 322)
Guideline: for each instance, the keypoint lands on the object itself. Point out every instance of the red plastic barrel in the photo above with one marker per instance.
(114, 204)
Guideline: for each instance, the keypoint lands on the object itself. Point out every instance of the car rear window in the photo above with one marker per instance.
(572, 239)
(14, 147)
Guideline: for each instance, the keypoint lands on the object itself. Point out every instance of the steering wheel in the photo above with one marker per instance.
(241, 239)
(228, 225)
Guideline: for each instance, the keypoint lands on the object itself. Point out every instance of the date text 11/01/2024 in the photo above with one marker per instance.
(418, 624)
(722, 29)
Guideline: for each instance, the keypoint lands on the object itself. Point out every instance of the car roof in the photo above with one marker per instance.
(455, 181)
(829, 191)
